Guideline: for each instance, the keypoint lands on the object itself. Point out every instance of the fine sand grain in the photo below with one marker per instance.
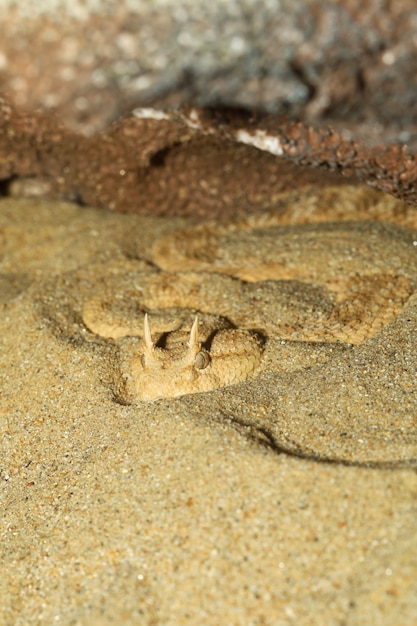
(287, 499)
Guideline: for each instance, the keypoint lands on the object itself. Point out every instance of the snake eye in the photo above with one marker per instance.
(142, 360)
(202, 359)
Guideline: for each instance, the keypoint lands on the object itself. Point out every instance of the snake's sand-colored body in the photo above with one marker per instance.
(270, 275)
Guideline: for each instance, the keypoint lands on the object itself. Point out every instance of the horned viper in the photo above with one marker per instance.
(321, 266)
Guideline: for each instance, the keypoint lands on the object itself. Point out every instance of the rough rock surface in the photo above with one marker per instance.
(191, 162)
(346, 63)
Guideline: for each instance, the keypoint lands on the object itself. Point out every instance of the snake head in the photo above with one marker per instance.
(170, 372)
(186, 367)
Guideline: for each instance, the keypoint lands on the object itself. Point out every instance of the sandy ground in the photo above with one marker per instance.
(187, 510)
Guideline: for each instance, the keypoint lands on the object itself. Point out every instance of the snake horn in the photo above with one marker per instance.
(193, 341)
(147, 334)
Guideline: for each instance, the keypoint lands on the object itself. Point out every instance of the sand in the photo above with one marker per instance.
(188, 510)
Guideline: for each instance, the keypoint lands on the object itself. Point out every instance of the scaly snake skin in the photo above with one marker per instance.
(318, 268)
